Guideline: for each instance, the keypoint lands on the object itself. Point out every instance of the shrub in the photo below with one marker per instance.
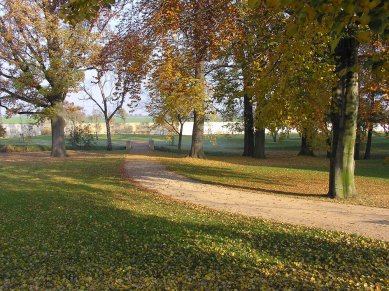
(23, 148)
(46, 131)
(3, 132)
(82, 136)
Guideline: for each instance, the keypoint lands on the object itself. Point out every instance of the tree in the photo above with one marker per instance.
(73, 114)
(120, 69)
(202, 27)
(373, 93)
(41, 61)
(348, 22)
(171, 88)
(240, 67)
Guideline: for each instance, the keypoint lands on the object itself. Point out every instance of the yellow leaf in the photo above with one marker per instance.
(363, 36)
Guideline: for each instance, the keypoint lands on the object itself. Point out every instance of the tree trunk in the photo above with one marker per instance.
(58, 136)
(274, 136)
(357, 146)
(305, 148)
(109, 139)
(342, 184)
(259, 151)
(248, 149)
(328, 141)
(197, 148)
(180, 137)
(368, 144)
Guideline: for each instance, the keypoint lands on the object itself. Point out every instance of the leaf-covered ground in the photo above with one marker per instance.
(284, 173)
(77, 223)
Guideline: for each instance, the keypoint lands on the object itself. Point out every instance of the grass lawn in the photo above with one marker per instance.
(43, 142)
(77, 223)
(285, 173)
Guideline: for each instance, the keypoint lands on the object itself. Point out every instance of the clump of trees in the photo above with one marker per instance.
(316, 66)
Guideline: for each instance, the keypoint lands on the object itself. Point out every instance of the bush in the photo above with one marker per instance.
(23, 148)
(3, 132)
(82, 136)
(46, 131)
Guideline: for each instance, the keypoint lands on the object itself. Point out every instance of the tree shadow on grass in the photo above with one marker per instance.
(219, 172)
(373, 168)
(71, 232)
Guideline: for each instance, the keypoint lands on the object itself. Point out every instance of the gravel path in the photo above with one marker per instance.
(367, 221)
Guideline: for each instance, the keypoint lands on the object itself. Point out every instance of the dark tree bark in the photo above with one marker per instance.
(58, 136)
(197, 148)
(328, 141)
(109, 139)
(305, 148)
(259, 151)
(180, 137)
(344, 113)
(274, 136)
(357, 147)
(335, 138)
(367, 155)
(248, 149)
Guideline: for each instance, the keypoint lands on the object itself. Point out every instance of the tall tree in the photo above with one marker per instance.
(173, 91)
(203, 26)
(348, 22)
(120, 68)
(41, 61)
(373, 90)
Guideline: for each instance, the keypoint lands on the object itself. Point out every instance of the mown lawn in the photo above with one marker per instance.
(77, 223)
(284, 173)
(43, 142)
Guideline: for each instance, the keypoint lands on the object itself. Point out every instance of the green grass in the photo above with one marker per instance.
(230, 144)
(17, 120)
(43, 142)
(233, 145)
(77, 223)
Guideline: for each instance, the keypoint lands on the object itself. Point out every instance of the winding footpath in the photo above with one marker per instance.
(367, 221)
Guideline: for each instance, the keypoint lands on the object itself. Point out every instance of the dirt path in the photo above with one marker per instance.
(367, 221)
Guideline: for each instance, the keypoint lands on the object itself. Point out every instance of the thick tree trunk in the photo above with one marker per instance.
(180, 137)
(306, 146)
(368, 144)
(58, 136)
(341, 184)
(197, 148)
(259, 151)
(109, 139)
(248, 149)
